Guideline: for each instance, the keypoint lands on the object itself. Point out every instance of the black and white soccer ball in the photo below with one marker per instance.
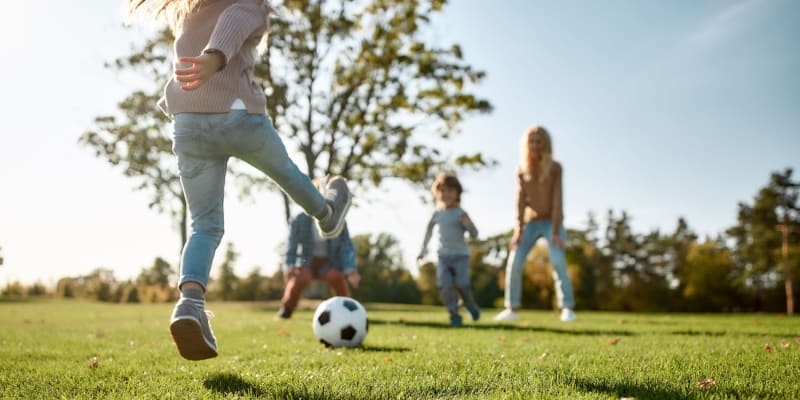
(340, 322)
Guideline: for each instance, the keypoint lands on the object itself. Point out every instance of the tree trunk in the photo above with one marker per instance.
(787, 272)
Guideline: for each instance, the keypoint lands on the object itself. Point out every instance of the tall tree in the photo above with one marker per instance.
(767, 236)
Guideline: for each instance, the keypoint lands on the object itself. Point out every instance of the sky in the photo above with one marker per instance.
(662, 109)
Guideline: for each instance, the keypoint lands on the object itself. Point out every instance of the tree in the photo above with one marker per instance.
(383, 279)
(355, 85)
(766, 238)
(707, 280)
(158, 274)
(227, 282)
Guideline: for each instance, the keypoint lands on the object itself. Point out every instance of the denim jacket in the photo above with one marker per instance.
(300, 248)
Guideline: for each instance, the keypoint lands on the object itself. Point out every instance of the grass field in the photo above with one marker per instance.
(81, 350)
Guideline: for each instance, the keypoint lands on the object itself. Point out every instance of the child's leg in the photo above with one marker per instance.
(268, 153)
(561, 279)
(202, 169)
(335, 278)
(445, 274)
(463, 285)
(299, 278)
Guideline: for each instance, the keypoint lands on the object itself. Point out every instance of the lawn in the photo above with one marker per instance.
(83, 350)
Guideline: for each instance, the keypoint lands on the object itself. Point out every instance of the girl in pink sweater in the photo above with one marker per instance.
(218, 112)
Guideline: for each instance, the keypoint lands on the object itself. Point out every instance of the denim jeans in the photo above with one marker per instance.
(203, 144)
(452, 279)
(530, 234)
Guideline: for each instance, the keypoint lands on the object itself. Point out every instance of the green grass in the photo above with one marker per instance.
(410, 353)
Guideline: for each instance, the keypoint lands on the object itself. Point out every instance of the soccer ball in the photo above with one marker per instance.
(340, 322)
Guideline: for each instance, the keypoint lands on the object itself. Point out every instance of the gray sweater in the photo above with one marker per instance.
(451, 232)
(235, 28)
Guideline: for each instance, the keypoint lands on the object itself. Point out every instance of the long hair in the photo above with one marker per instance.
(526, 166)
(446, 180)
(174, 12)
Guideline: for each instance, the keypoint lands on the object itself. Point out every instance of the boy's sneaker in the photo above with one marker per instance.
(474, 311)
(338, 197)
(456, 321)
(506, 315)
(191, 331)
(284, 313)
(567, 315)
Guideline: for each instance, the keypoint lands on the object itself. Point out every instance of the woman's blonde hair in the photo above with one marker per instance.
(526, 166)
(444, 180)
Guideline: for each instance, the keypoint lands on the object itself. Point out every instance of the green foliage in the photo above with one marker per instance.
(380, 264)
(87, 350)
(758, 239)
(361, 93)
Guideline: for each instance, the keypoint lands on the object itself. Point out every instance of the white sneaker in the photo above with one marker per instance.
(567, 315)
(506, 315)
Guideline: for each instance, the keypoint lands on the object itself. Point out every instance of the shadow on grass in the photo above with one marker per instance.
(641, 392)
(384, 349)
(232, 384)
(503, 327)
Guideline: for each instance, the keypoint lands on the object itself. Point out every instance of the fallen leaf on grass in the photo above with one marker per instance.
(283, 332)
(768, 348)
(785, 344)
(501, 338)
(614, 341)
(706, 383)
(627, 398)
(797, 339)
(543, 357)
(94, 362)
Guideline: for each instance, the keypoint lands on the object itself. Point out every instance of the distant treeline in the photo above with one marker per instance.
(744, 268)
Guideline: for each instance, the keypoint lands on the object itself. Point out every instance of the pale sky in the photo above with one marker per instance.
(663, 109)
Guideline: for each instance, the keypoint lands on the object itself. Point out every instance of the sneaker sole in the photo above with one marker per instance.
(188, 337)
(340, 226)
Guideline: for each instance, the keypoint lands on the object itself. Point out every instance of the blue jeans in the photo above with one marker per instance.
(530, 234)
(452, 279)
(203, 144)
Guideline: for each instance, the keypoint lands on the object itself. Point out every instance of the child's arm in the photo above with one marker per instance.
(428, 232)
(234, 26)
(466, 222)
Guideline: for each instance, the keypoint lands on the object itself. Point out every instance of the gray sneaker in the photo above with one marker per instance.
(191, 331)
(338, 196)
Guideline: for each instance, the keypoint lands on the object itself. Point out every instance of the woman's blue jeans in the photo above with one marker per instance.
(203, 144)
(530, 234)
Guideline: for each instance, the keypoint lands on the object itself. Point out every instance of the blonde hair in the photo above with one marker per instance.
(174, 12)
(526, 163)
(446, 180)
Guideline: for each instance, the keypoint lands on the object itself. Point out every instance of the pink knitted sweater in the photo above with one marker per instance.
(235, 28)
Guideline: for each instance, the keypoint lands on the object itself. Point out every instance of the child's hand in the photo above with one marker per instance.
(201, 70)
(515, 239)
(354, 278)
(556, 237)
